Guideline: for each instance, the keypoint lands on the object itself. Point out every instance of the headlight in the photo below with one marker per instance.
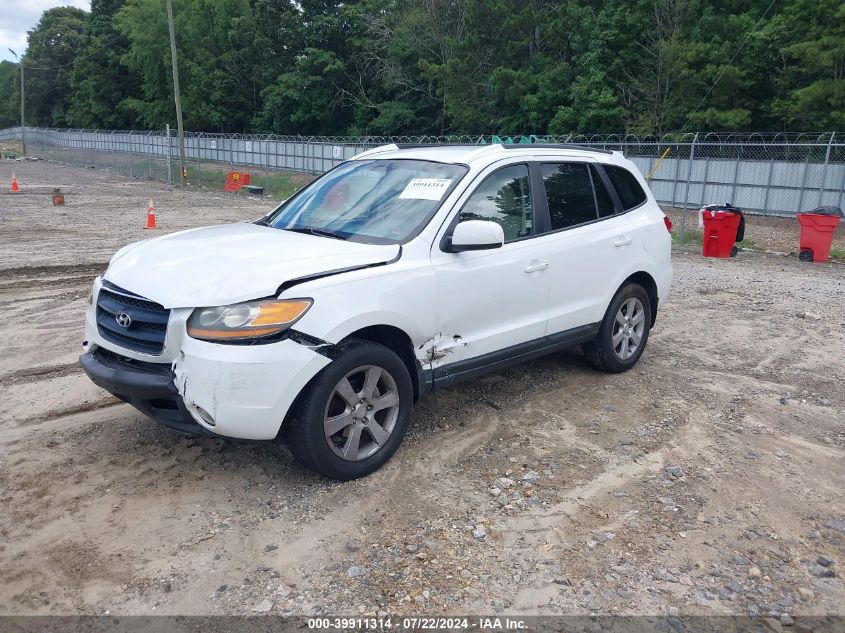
(253, 319)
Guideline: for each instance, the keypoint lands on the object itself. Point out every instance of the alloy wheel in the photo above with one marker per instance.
(628, 328)
(361, 413)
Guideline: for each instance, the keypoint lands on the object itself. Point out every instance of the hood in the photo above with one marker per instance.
(230, 263)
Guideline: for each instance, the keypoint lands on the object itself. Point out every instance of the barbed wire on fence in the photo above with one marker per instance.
(778, 173)
(670, 138)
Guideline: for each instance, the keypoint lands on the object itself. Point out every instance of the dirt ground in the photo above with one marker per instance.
(707, 480)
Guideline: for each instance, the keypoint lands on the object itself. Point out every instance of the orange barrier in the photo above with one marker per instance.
(15, 188)
(151, 215)
(235, 180)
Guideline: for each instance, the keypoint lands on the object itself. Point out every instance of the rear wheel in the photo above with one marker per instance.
(352, 417)
(623, 333)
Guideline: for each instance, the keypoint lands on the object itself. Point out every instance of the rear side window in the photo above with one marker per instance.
(627, 187)
(603, 199)
(569, 191)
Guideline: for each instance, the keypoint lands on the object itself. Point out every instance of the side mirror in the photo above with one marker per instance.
(476, 235)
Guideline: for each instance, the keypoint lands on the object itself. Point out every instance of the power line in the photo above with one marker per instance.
(75, 59)
(725, 67)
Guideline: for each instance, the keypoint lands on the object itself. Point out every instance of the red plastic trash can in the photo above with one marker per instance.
(720, 232)
(817, 234)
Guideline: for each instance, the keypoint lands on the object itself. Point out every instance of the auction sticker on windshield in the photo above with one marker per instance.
(426, 188)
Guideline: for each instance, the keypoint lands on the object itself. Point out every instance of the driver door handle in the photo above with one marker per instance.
(536, 268)
(624, 241)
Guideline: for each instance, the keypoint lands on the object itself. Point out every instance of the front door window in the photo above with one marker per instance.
(505, 198)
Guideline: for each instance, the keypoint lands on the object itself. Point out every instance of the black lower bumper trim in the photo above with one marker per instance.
(148, 387)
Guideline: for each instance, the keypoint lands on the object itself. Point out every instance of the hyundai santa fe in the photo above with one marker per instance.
(399, 272)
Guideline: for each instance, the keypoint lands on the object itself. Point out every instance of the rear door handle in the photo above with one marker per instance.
(624, 241)
(536, 268)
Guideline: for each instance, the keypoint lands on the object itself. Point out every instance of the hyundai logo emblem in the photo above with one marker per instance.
(123, 319)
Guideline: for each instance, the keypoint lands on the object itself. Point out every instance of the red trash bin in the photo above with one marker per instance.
(817, 229)
(720, 231)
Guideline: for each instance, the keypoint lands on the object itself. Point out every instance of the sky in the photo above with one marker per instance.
(19, 16)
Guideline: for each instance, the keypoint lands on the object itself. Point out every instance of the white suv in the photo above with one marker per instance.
(401, 271)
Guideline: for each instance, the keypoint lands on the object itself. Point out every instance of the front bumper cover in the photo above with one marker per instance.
(148, 387)
(194, 386)
(236, 391)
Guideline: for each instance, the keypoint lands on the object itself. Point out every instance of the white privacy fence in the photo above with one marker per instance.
(770, 174)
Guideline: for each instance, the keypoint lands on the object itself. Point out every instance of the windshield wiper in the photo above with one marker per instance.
(262, 222)
(311, 231)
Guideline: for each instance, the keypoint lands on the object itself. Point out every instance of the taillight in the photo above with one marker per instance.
(668, 223)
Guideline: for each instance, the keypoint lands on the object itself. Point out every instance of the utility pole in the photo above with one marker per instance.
(180, 131)
(23, 128)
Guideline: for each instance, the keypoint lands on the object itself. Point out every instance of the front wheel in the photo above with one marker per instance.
(623, 333)
(352, 417)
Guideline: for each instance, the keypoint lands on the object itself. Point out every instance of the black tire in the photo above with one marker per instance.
(806, 255)
(600, 351)
(304, 431)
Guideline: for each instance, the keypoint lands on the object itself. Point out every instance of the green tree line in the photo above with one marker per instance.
(328, 67)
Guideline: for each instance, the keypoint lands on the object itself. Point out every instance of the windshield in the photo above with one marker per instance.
(374, 201)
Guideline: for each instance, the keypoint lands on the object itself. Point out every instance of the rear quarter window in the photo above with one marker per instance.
(627, 187)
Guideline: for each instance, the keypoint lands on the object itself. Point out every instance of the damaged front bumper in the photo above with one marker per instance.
(242, 391)
(148, 387)
(236, 391)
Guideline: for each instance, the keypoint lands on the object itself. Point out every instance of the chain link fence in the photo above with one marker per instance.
(766, 174)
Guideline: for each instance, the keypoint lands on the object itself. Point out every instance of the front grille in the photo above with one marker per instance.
(117, 361)
(148, 325)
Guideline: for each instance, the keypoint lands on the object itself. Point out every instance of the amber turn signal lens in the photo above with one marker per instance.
(280, 312)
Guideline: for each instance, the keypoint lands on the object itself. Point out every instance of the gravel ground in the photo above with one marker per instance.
(707, 480)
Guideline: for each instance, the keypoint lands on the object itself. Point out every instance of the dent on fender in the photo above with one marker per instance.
(330, 273)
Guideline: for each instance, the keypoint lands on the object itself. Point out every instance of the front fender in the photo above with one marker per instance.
(402, 298)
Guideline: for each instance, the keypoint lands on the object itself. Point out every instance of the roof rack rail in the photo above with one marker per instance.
(389, 147)
(479, 149)
(584, 148)
(416, 145)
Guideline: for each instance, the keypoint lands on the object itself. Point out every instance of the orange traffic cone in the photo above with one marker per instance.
(151, 215)
(15, 188)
